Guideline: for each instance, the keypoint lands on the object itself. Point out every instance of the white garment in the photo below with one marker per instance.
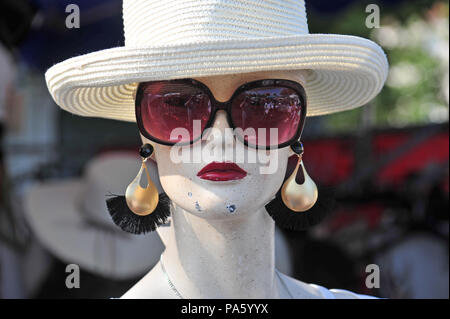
(329, 293)
(291, 284)
(416, 268)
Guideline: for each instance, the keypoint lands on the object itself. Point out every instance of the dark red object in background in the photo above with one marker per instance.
(432, 150)
(329, 161)
(396, 155)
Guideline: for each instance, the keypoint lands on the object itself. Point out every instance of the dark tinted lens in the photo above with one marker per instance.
(267, 116)
(174, 112)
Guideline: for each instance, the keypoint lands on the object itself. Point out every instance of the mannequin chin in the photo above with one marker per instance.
(224, 199)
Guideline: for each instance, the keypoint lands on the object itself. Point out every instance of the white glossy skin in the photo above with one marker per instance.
(210, 252)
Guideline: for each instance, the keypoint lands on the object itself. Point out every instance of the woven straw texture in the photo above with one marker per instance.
(172, 39)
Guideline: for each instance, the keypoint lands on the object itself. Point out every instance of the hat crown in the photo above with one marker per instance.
(156, 22)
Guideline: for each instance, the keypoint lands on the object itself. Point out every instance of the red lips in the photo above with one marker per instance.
(220, 172)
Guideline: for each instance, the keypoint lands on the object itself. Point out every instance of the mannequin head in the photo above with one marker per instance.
(225, 199)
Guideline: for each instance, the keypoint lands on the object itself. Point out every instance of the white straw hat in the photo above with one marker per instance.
(71, 220)
(171, 39)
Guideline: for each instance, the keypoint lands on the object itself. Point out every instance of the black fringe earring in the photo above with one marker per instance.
(291, 220)
(135, 224)
(141, 210)
(297, 205)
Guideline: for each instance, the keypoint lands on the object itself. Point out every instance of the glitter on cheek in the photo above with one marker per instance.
(231, 208)
(197, 207)
(190, 194)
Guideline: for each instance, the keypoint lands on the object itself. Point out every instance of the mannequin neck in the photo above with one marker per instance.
(227, 258)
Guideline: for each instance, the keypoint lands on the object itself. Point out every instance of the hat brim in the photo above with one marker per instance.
(54, 216)
(344, 72)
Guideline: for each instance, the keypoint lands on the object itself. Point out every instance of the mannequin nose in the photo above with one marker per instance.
(221, 130)
(221, 120)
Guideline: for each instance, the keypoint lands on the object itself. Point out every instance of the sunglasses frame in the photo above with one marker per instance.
(226, 106)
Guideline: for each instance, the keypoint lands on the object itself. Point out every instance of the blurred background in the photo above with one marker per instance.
(387, 163)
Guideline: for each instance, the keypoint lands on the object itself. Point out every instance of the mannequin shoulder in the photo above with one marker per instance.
(302, 290)
(297, 289)
(151, 286)
(345, 294)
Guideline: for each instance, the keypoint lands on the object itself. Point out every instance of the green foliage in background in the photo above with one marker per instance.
(414, 36)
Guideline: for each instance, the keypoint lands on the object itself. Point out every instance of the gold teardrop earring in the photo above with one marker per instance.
(142, 201)
(299, 197)
(294, 206)
(142, 209)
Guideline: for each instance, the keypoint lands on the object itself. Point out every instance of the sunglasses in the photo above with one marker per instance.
(263, 114)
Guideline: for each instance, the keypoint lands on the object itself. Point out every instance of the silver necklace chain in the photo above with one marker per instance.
(171, 285)
(177, 293)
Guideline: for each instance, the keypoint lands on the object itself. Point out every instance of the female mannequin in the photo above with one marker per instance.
(222, 239)
(213, 253)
